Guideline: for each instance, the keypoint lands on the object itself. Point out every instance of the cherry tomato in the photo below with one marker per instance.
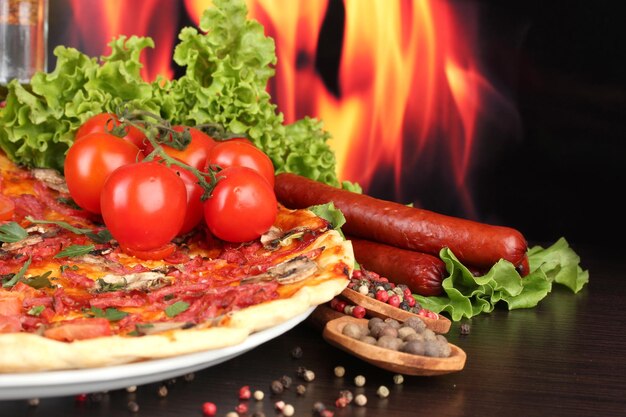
(242, 206)
(196, 152)
(152, 254)
(79, 329)
(7, 208)
(88, 163)
(239, 153)
(194, 212)
(143, 205)
(104, 123)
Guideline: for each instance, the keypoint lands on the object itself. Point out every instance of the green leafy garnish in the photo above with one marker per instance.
(39, 281)
(36, 310)
(468, 296)
(227, 64)
(111, 314)
(75, 250)
(10, 283)
(175, 309)
(330, 213)
(12, 232)
(103, 236)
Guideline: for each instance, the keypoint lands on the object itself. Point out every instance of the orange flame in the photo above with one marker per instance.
(97, 23)
(409, 83)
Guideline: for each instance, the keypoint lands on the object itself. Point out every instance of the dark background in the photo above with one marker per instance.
(559, 171)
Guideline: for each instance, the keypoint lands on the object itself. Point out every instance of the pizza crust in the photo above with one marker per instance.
(25, 352)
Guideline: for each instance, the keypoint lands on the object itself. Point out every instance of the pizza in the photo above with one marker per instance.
(71, 298)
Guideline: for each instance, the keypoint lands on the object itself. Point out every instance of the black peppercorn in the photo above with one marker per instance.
(276, 387)
(296, 353)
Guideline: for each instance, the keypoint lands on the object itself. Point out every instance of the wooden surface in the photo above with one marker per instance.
(566, 357)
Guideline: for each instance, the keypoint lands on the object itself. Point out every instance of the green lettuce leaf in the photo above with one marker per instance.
(467, 295)
(227, 65)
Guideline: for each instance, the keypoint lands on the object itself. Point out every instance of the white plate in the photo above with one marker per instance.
(60, 383)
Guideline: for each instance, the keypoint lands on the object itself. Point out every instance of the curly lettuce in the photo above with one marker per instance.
(227, 65)
(467, 295)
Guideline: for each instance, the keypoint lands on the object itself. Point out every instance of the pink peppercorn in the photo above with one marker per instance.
(341, 402)
(382, 295)
(394, 300)
(80, 398)
(242, 408)
(209, 409)
(410, 301)
(245, 393)
(407, 293)
(358, 312)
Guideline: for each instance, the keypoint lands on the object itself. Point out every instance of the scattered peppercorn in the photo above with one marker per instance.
(359, 380)
(259, 395)
(162, 391)
(276, 387)
(232, 414)
(347, 394)
(33, 402)
(245, 393)
(288, 410)
(132, 388)
(279, 405)
(189, 377)
(300, 389)
(308, 375)
(318, 407)
(241, 408)
(80, 398)
(360, 400)
(133, 407)
(258, 414)
(398, 379)
(209, 409)
(465, 328)
(382, 391)
(340, 371)
(341, 402)
(296, 353)
(286, 381)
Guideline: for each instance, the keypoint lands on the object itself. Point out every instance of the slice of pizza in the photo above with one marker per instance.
(70, 298)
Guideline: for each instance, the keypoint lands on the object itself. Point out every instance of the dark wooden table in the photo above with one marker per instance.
(566, 357)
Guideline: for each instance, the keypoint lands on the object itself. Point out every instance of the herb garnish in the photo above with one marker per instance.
(18, 276)
(175, 309)
(103, 236)
(36, 310)
(75, 250)
(12, 232)
(111, 314)
(39, 281)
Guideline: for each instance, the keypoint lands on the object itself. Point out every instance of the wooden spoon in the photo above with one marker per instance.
(391, 360)
(375, 308)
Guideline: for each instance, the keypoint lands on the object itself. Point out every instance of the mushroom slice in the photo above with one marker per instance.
(27, 241)
(136, 281)
(52, 178)
(294, 270)
(276, 237)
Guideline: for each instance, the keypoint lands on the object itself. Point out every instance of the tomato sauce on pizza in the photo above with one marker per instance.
(64, 279)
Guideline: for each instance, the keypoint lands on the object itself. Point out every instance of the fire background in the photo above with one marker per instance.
(549, 145)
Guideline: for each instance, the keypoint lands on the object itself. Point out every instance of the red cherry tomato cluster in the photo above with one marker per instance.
(146, 203)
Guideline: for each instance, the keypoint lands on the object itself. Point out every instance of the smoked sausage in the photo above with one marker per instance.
(421, 272)
(477, 244)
